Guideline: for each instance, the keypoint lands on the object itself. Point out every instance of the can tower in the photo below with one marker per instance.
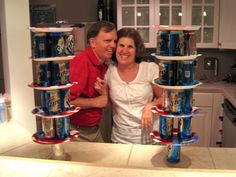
(53, 48)
(176, 53)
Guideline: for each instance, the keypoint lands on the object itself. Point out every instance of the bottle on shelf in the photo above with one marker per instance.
(100, 10)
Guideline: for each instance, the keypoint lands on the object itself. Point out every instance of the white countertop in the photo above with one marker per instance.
(228, 90)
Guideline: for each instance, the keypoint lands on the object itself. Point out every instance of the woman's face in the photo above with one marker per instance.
(125, 51)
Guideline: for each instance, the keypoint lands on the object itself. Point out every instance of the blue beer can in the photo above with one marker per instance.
(190, 47)
(173, 151)
(176, 101)
(176, 44)
(48, 128)
(65, 99)
(166, 72)
(69, 43)
(165, 100)
(184, 128)
(188, 101)
(39, 45)
(188, 72)
(50, 102)
(43, 73)
(55, 44)
(162, 43)
(62, 125)
(166, 127)
(60, 72)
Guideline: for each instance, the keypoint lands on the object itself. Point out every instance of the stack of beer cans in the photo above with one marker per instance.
(51, 49)
(176, 72)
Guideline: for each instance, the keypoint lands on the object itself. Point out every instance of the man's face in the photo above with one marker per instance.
(104, 44)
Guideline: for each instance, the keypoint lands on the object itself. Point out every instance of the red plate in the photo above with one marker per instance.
(56, 87)
(73, 134)
(155, 136)
(63, 114)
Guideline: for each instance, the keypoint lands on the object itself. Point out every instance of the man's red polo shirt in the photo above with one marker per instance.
(84, 69)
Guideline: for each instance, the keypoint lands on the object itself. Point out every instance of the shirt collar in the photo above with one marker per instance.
(93, 58)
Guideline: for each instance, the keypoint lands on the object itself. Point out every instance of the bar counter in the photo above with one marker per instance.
(105, 159)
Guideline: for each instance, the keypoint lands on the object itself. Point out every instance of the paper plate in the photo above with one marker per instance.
(169, 87)
(155, 136)
(56, 87)
(63, 58)
(158, 110)
(176, 58)
(50, 29)
(73, 134)
(39, 112)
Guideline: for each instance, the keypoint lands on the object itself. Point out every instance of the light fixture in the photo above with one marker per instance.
(204, 13)
(139, 14)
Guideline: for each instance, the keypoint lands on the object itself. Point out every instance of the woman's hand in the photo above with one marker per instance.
(101, 86)
(147, 119)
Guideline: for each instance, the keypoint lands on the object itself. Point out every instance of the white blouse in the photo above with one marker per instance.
(128, 101)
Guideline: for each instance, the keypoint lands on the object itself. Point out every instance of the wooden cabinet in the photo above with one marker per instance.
(227, 37)
(207, 124)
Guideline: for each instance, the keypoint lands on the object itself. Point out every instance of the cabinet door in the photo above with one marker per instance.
(202, 125)
(137, 14)
(204, 13)
(227, 37)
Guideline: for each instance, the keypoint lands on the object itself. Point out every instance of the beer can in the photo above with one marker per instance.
(165, 100)
(162, 43)
(190, 47)
(188, 72)
(176, 44)
(39, 45)
(176, 101)
(50, 102)
(60, 72)
(173, 151)
(166, 127)
(62, 125)
(69, 43)
(48, 128)
(43, 73)
(55, 44)
(188, 101)
(65, 99)
(166, 72)
(184, 128)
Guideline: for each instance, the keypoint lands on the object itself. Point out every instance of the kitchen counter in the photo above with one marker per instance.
(134, 156)
(228, 90)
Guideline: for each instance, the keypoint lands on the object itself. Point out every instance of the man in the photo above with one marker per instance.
(88, 66)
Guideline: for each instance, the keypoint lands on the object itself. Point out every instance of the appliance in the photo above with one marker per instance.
(229, 125)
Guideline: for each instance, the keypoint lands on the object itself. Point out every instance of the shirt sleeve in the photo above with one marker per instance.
(153, 71)
(78, 73)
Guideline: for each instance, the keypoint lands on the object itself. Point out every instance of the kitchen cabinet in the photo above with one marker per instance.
(227, 37)
(146, 15)
(207, 124)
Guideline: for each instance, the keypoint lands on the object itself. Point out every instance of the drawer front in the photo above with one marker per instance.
(202, 99)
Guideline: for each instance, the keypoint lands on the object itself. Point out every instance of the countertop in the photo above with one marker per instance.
(106, 159)
(228, 90)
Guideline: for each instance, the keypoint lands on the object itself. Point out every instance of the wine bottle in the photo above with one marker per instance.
(100, 10)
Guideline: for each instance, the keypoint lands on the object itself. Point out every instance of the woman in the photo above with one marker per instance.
(131, 90)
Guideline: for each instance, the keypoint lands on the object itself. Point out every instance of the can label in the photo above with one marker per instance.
(173, 154)
(162, 43)
(50, 102)
(48, 128)
(188, 101)
(39, 45)
(43, 73)
(69, 43)
(65, 99)
(190, 47)
(62, 127)
(176, 101)
(166, 127)
(60, 72)
(166, 72)
(176, 45)
(184, 128)
(56, 44)
(165, 101)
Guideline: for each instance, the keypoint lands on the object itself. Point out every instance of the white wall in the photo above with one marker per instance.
(17, 66)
